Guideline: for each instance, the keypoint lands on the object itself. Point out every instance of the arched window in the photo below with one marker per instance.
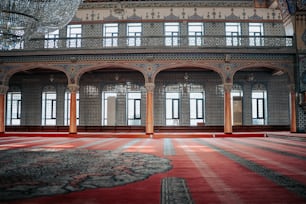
(13, 106)
(48, 106)
(259, 104)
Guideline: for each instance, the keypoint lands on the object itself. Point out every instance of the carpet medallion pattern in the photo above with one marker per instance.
(29, 173)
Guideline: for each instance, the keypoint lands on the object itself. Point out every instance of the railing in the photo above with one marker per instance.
(146, 42)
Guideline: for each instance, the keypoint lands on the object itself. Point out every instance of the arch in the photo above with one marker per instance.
(191, 65)
(11, 72)
(107, 66)
(278, 70)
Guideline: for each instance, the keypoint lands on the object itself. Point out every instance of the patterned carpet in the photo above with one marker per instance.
(169, 170)
(25, 173)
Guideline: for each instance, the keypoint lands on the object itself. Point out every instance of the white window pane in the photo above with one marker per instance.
(193, 110)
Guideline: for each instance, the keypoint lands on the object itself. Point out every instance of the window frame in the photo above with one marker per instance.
(173, 100)
(110, 38)
(52, 39)
(195, 38)
(259, 111)
(233, 33)
(256, 40)
(74, 32)
(13, 108)
(49, 108)
(133, 109)
(134, 37)
(171, 34)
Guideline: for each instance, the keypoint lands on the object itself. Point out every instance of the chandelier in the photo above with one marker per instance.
(22, 19)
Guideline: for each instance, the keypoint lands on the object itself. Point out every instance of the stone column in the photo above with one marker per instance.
(227, 108)
(150, 109)
(293, 109)
(3, 90)
(73, 88)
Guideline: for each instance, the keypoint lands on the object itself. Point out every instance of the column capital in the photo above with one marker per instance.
(3, 89)
(291, 87)
(227, 87)
(150, 87)
(73, 88)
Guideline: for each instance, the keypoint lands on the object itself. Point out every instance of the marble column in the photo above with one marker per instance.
(227, 108)
(73, 88)
(150, 109)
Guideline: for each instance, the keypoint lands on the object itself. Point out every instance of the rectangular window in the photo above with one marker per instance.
(233, 31)
(172, 108)
(74, 35)
(110, 35)
(196, 108)
(13, 108)
(52, 39)
(258, 107)
(109, 108)
(255, 33)
(134, 108)
(195, 33)
(49, 108)
(134, 31)
(172, 34)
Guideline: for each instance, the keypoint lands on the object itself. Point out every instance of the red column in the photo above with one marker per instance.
(227, 109)
(150, 109)
(3, 90)
(73, 88)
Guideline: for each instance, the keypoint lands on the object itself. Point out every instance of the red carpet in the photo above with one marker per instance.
(204, 170)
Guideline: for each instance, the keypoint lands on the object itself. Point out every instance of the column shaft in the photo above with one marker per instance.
(150, 109)
(2, 113)
(73, 117)
(227, 111)
(293, 112)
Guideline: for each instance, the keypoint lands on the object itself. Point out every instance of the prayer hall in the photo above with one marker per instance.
(152, 101)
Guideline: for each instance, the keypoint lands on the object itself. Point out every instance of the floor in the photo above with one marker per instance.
(92, 170)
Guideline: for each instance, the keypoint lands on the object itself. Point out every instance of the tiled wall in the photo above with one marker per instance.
(92, 84)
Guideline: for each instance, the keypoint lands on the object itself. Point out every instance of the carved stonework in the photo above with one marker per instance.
(291, 87)
(182, 4)
(301, 4)
(150, 87)
(227, 87)
(73, 88)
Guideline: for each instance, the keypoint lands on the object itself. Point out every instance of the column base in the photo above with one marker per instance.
(73, 134)
(150, 135)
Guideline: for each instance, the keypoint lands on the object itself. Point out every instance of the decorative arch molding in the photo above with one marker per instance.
(9, 71)
(84, 70)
